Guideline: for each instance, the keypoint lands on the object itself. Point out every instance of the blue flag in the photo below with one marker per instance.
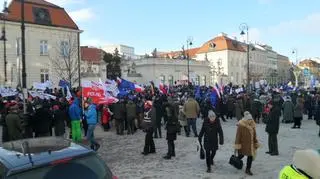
(198, 93)
(124, 84)
(64, 83)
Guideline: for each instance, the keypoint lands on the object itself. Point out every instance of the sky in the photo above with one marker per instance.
(167, 24)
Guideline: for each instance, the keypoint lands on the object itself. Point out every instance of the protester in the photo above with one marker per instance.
(42, 120)
(317, 115)
(272, 128)
(147, 125)
(246, 143)
(118, 110)
(131, 109)
(191, 110)
(60, 117)
(298, 113)
(13, 122)
(288, 110)
(106, 117)
(158, 105)
(91, 116)
(75, 117)
(172, 125)
(183, 120)
(211, 128)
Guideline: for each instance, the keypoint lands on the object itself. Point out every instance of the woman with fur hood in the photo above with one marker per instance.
(246, 143)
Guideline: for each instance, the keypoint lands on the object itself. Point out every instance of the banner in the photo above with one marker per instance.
(97, 93)
(41, 95)
(43, 86)
(6, 92)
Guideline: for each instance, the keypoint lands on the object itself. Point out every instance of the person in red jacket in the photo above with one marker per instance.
(105, 117)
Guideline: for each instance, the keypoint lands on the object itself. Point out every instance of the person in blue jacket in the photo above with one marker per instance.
(92, 120)
(75, 117)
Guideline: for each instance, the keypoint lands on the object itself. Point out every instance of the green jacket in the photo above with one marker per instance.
(13, 122)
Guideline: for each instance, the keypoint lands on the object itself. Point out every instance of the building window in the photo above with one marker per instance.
(203, 80)
(170, 80)
(162, 79)
(197, 80)
(237, 77)
(43, 47)
(64, 48)
(44, 75)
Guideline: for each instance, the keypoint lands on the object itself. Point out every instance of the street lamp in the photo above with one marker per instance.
(189, 43)
(296, 71)
(244, 27)
(5, 13)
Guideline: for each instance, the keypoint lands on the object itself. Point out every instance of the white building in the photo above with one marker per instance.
(166, 70)
(92, 66)
(51, 41)
(125, 51)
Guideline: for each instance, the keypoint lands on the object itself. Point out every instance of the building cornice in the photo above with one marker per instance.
(16, 23)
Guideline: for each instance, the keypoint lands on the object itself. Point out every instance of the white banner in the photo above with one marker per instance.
(42, 86)
(41, 95)
(5, 92)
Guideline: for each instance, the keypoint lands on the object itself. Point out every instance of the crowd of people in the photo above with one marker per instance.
(177, 110)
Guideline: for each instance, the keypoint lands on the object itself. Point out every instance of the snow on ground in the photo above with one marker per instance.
(123, 154)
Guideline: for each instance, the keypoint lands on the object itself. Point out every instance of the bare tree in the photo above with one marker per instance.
(64, 59)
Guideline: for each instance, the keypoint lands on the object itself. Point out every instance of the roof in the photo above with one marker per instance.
(221, 43)
(176, 54)
(57, 15)
(91, 54)
(15, 160)
(309, 62)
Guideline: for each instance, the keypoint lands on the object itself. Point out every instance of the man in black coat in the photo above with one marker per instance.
(172, 126)
(42, 121)
(211, 128)
(272, 128)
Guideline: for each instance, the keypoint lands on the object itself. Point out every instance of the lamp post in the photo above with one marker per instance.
(189, 43)
(4, 39)
(244, 27)
(296, 70)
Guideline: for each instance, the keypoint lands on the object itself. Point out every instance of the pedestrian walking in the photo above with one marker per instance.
(92, 120)
(298, 114)
(210, 130)
(147, 125)
(246, 143)
(191, 110)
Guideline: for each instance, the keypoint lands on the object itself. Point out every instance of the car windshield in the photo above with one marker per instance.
(90, 167)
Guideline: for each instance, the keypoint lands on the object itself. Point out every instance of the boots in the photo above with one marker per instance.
(248, 171)
(209, 170)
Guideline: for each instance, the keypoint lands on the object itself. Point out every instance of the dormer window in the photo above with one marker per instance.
(212, 45)
(41, 16)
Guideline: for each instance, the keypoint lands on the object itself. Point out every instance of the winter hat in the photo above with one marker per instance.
(308, 161)
(211, 114)
(247, 116)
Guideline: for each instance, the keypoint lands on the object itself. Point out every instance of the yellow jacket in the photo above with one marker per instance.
(290, 172)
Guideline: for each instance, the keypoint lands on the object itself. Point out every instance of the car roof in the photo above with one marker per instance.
(15, 158)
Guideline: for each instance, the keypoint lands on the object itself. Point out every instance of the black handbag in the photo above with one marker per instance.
(202, 155)
(236, 162)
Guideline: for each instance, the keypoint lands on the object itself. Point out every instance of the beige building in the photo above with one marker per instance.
(284, 69)
(227, 59)
(51, 41)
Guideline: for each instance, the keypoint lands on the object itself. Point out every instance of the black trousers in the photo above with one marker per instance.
(149, 146)
(171, 148)
(130, 124)
(158, 129)
(249, 160)
(210, 153)
(297, 122)
(273, 143)
(230, 114)
(119, 126)
(310, 113)
(85, 127)
(256, 117)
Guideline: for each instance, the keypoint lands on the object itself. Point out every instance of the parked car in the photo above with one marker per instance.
(50, 158)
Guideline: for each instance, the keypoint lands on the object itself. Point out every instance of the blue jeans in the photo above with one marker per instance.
(192, 123)
(90, 134)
